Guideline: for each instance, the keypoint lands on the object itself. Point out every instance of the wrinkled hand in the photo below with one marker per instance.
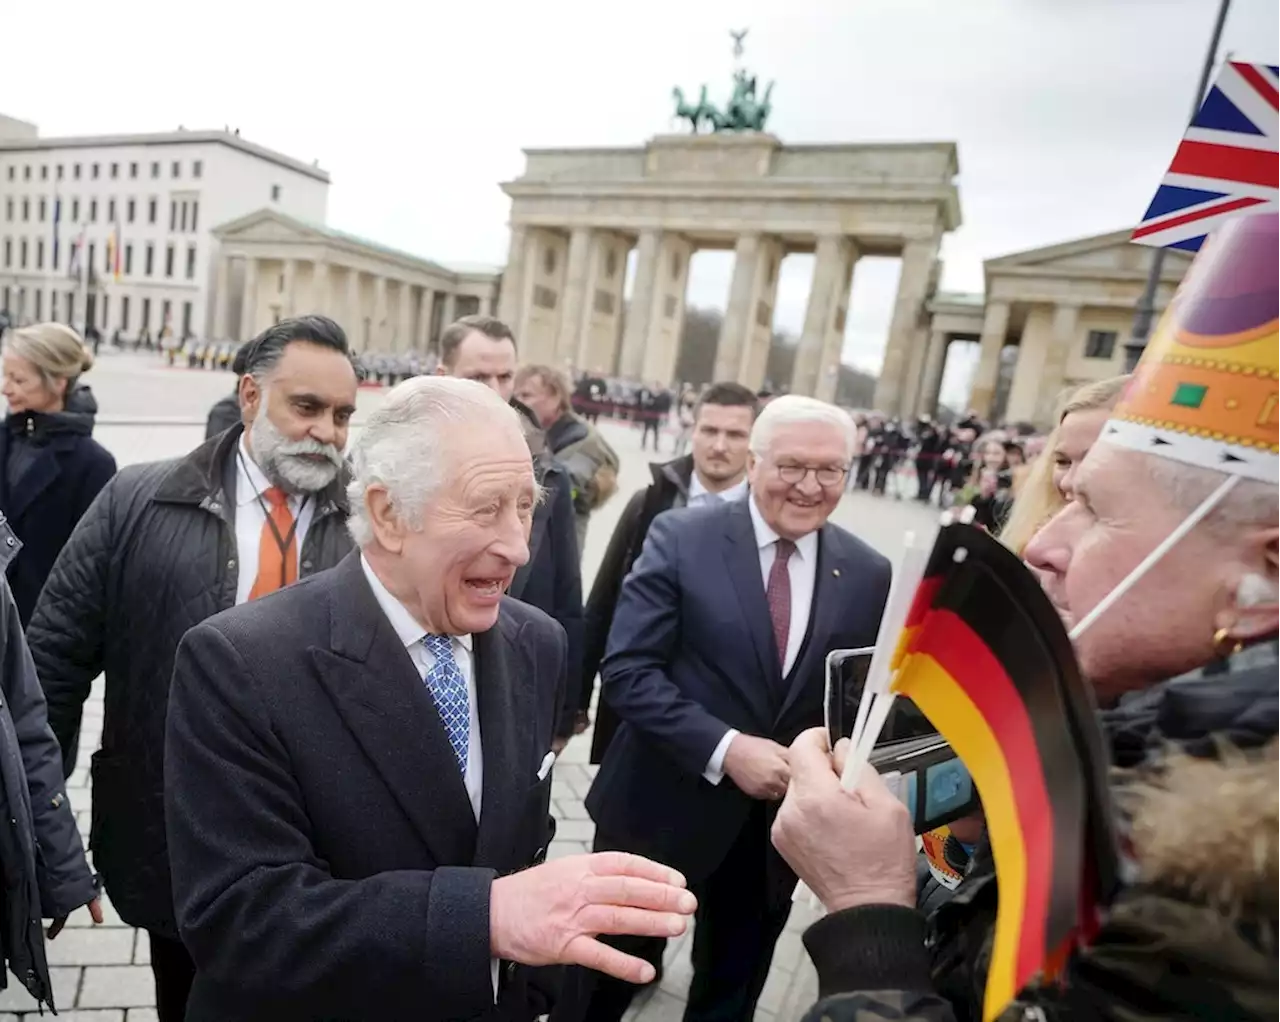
(95, 913)
(851, 847)
(758, 766)
(551, 914)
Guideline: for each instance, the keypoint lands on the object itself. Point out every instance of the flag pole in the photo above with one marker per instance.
(1145, 312)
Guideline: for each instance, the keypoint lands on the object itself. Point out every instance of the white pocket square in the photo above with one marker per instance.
(548, 761)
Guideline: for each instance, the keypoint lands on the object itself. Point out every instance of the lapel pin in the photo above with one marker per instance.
(835, 572)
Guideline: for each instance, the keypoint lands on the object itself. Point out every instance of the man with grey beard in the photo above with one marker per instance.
(165, 546)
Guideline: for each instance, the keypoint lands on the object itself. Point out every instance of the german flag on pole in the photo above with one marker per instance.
(986, 659)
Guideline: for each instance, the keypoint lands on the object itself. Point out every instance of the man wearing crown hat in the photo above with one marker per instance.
(1165, 563)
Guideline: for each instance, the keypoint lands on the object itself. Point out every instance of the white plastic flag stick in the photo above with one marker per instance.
(895, 612)
(1150, 561)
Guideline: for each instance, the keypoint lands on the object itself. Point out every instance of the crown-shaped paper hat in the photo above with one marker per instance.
(1205, 392)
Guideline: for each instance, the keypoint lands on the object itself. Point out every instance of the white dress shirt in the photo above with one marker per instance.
(411, 634)
(699, 495)
(251, 485)
(803, 571)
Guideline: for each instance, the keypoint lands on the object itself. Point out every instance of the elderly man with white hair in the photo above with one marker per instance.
(358, 766)
(715, 662)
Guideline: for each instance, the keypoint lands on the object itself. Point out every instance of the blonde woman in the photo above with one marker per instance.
(50, 466)
(1080, 419)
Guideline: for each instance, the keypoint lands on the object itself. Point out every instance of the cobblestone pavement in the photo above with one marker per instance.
(102, 974)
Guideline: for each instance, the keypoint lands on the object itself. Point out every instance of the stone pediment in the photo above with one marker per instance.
(1111, 256)
(267, 225)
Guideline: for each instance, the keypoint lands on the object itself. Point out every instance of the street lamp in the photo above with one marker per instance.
(1145, 311)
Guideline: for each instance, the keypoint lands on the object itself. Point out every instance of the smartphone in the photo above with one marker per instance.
(933, 783)
(846, 678)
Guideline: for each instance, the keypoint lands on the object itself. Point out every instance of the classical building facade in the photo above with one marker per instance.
(271, 266)
(142, 208)
(1051, 318)
(576, 214)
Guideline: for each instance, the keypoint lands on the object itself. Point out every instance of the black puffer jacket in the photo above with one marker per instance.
(44, 865)
(154, 555)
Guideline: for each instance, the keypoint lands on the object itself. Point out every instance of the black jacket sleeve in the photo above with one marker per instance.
(607, 586)
(67, 632)
(63, 875)
(256, 904)
(568, 594)
(872, 963)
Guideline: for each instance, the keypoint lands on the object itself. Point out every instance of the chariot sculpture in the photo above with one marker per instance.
(745, 111)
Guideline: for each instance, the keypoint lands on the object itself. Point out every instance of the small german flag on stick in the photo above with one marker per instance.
(985, 657)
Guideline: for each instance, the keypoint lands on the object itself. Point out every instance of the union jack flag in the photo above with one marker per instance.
(1225, 165)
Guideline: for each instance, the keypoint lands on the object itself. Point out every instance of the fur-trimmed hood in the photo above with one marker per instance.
(1209, 829)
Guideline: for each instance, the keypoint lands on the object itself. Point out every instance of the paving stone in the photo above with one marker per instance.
(65, 981)
(573, 809)
(560, 790)
(560, 849)
(788, 952)
(99, 1015)
(775, 989)
(141, 1015)
(115, 986)
(96, 946)
(141, 948)
(659, 1006)
(575, 830)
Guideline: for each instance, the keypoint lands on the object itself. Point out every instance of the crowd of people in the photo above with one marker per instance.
(337, 682)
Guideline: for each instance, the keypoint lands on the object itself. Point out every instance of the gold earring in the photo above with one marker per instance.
(1224, 645)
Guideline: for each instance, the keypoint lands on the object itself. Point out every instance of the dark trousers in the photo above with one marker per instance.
(650, 427)
(742, 912)
(174, 970)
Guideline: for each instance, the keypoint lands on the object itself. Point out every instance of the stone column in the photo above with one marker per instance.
(995, 328)
(918, 257)
(355, 323)
(824, 319)
(739, 314)
(288, 301)
(221, 298)
(450, 310)
(934, 363)
(319, 288)
(1053, 375)
(512, 298)
(640, 309)
(573, 303)
(381, 340)
(249, 303)
(404, 322)
(602, 302)
(666, 316)
(426, 307)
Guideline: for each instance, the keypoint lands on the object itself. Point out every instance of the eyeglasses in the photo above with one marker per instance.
(826, 475)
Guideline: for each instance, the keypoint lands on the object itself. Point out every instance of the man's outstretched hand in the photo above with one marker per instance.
(551, 914)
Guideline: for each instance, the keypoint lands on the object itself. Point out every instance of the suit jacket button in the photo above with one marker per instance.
(540, 856)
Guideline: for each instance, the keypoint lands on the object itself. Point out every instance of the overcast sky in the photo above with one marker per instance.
(1065, 111)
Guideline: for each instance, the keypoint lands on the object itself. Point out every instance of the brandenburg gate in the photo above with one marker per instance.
(576, 215)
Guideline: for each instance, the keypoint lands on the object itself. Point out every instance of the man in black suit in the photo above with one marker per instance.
(715, 663)
(358, 767)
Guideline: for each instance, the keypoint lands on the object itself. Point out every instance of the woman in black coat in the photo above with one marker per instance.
(50, 466)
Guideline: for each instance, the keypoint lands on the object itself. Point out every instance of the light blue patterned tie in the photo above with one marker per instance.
(449, 690)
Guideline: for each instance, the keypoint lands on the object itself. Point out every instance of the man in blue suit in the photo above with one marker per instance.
(715, 663)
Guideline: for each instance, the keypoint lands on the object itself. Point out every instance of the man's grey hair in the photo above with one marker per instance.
(1250, 504)
(404, 446)
(793, 409)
